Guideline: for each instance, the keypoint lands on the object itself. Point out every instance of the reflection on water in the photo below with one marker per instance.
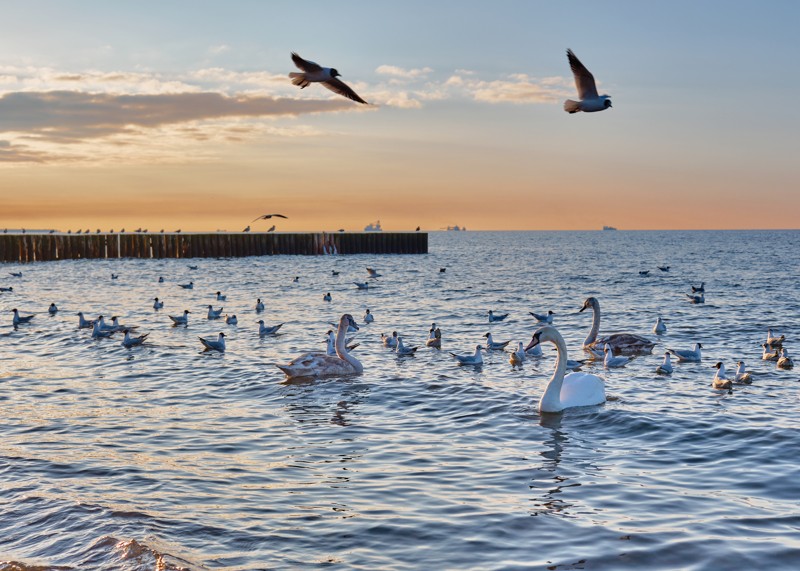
(162, 457)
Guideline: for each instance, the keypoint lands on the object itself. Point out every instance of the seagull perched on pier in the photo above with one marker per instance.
(211, 345)
(590, 101)
(326, 76)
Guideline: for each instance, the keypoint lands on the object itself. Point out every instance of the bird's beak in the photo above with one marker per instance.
(534, 342)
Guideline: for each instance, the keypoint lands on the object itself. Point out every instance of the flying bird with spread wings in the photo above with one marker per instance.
(315, 73)
(268, 216)
(590, 101)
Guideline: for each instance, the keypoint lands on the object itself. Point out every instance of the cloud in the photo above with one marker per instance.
(403, 73)
(518, 88)
(219, 49)
(67, 116)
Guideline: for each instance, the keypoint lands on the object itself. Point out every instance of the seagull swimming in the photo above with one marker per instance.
(15, 274)
(785, 361)
(221, 297)
(401, 349)
(231, 320)
(265, 330)
(696, 298)
(161, 279)
(775, 341)
(474, 359)
(389, 341)
(9, 288)
(17, 319)
(52, 310)
(190, 285)
(84, 323)
(699, 289)
(611, 361)
(665, 368)
(259, 305)
(543, 318)
(211, 345)
(368, 317)
(494, 318)
(157, 304)
(181, 319)
(587, 89)
(98, 332)
(517, 357)
(660, 327)
(327, 297)
(663, 268)
(742, 377)
(133, 341)
(214, 313)
(720, 381)
(361, 285)
(315, 73)
(690, 356)
(769, 353)
(493, 345)
(434, 338)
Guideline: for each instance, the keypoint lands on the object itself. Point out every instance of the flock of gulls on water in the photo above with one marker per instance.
(563, 391)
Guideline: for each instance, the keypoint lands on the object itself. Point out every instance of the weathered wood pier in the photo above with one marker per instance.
(31, 247)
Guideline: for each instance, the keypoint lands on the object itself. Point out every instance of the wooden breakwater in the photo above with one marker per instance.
(46, 247)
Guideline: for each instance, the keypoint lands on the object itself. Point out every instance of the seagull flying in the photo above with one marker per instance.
(267, 217)
(587, 90)
(315, 73)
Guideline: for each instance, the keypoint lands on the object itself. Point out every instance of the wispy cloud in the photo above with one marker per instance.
(396, 71)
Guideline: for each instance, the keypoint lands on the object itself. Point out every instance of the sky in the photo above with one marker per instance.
(180, 114)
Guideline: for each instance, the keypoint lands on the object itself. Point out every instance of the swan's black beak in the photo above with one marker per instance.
(353, 324)
(534, 342)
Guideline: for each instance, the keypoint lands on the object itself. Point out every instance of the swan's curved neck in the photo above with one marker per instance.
(551, 398)
(592, 337)
(341, 349)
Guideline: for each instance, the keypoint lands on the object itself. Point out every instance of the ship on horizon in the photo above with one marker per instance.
(373, 227)
(608, 228)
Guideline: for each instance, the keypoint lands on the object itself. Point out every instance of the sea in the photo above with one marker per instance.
(166, 457)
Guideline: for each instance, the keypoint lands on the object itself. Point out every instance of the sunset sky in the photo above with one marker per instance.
(180, 114)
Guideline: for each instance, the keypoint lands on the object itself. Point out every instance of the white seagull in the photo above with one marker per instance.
(769, 353)
(221, 297)
(190, 285)
(389, 341)
(696, 298)
(231, 320)
(157, 304)
(84, 323)
(181, 319)
(690, 356)
(327, 297)
(611, 361)
(373, 273)
(133, 341)
(434, 338)
(785, 361)
(660, 327)
(20, 318)
(52, 310)
(214, 313)
(368, 317)
(493, 345)
(517, 357)
(265, 330)
(721, 381)
(211, 345)
(493, 318)
(361, 285)
(259, 305)
(315, 73)
(543, 318)
(665, 368)
(587, 90)
(401, 349)
(474, 359)
(742, 377)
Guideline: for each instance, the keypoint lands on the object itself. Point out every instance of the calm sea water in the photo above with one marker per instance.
(163, 457)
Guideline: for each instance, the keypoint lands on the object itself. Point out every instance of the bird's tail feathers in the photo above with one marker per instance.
(571, 106)
(299, 79)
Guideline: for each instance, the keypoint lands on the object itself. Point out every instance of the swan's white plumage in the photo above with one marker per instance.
(319, 365)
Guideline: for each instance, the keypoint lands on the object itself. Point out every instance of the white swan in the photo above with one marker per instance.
(318, 365)
(625, 343)
(575, 389)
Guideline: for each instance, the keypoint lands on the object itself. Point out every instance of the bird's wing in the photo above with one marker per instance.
(584, 80)
(342, 88)
(304, 64)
